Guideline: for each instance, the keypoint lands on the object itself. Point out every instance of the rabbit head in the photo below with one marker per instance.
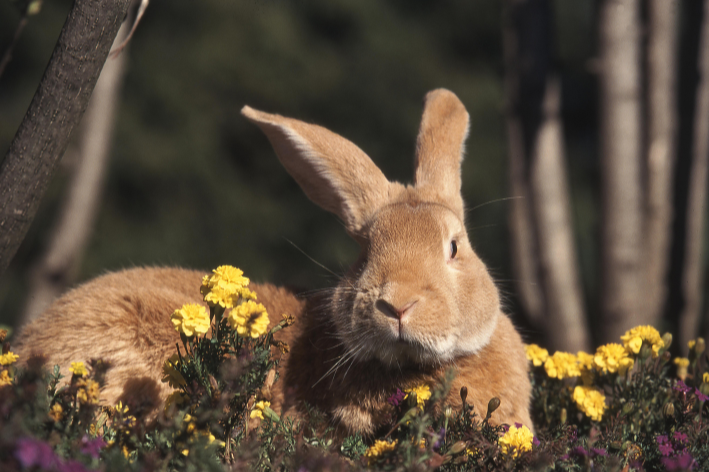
(418, 293)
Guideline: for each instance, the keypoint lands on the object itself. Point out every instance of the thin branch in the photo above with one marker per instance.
(7, 56)
(55, 110)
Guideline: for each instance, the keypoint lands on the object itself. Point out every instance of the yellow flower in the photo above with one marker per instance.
(516, 440)
(692, 343)
(377, 449)
(612, 358)
(78, 369)
(590, 401)
(682, 363)
(5, 378)
(225, 287)
(170, 374)
(88, 392)
(191, 319)
(585, 360)
(633, 339)
(536, 354)
(562, 365)
(423, 393)
(8, 358)
(249, 319)
(56, 412)
(257, 412)
(705, 377)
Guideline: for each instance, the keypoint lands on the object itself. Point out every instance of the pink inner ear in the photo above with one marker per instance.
(332, 171)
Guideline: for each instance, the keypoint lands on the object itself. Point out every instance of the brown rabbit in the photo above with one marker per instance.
(417, 301)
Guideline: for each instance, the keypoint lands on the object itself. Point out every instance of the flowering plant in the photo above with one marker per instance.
(626, 407)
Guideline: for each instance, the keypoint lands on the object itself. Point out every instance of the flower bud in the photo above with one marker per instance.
(666, 356)
(492, 405)
(700, 346)
(448, 412)
(645, 351)
(461, 459)
(628, 408)
(667, 339)
(563, 415)
(463, 393)
(458, 447)
(668, 410)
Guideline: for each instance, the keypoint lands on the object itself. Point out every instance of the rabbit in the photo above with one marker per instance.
(417, 301)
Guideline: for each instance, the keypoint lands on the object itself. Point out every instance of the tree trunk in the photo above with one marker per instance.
(620, 168)
(566, 320)
(59, 265)
(543, 244)
(525, 263)
(55, 110)
(696, 209)
(662, 104)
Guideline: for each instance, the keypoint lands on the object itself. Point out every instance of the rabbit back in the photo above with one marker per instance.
(124, 318)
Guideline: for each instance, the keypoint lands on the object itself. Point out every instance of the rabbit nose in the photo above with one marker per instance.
(390, 310)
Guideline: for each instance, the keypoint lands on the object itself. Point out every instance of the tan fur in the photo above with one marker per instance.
(405, 313)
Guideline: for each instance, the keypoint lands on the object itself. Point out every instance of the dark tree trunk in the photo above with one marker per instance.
(57, 107)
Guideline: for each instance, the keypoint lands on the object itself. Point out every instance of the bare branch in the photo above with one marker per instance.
(59, 265)
(56, 109)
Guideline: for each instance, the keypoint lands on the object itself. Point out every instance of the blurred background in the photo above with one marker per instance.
(189, 182)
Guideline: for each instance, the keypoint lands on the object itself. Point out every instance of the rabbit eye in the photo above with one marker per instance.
(454, 249)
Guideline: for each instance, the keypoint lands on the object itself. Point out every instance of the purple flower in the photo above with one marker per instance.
(565, 457)
(662, 439)
(92, 447)
(396, 398)
(684, 461)
(535, 441)
(700, 395)
(597, 451)
(31, 452)
(680, 437)
(681, 387)
(666, 449)
(518, 425)
(578, 451)
(439, 441)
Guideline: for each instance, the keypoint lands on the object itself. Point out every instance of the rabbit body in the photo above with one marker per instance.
(417, 302)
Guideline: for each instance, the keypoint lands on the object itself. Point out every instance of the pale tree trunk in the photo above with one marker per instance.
(662, 103)
(544, 252)
(58, 267)
(696, 209)
(557, 250)
(525, 264)
(621, 242)
(57, 107)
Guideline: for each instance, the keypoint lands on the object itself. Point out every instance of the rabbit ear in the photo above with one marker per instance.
(439, 148)
(333, 172)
